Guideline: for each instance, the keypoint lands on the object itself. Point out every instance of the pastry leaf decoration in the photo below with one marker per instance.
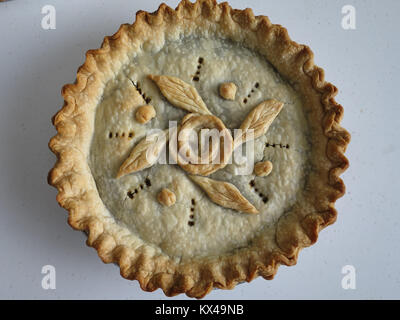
(259, 120)
(144, 154)
(180, 94)
(224, 194)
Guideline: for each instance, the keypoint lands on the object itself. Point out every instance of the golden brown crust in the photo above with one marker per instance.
(294, 231)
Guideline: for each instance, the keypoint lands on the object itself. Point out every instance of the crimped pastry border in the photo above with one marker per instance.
(299, 228)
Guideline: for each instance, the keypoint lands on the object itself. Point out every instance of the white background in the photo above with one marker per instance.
(362, 63)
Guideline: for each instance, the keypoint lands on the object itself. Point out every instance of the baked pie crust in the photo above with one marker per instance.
(205, 44)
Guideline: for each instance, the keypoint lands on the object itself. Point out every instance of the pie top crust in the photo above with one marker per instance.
(194, 244)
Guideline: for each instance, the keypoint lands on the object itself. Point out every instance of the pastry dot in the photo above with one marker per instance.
(145, 113)
(263, 169)
(228, 90)
(166, 197)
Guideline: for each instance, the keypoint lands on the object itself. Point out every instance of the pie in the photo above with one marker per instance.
(189, 226)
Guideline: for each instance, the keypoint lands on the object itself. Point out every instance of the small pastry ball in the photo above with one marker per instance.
(262, 169)
(166, 197)
(145, 113)
(228, 90)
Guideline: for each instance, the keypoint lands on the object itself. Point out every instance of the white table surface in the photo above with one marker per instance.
(362, 63)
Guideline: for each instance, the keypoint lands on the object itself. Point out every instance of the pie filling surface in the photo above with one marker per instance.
(194, 226)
